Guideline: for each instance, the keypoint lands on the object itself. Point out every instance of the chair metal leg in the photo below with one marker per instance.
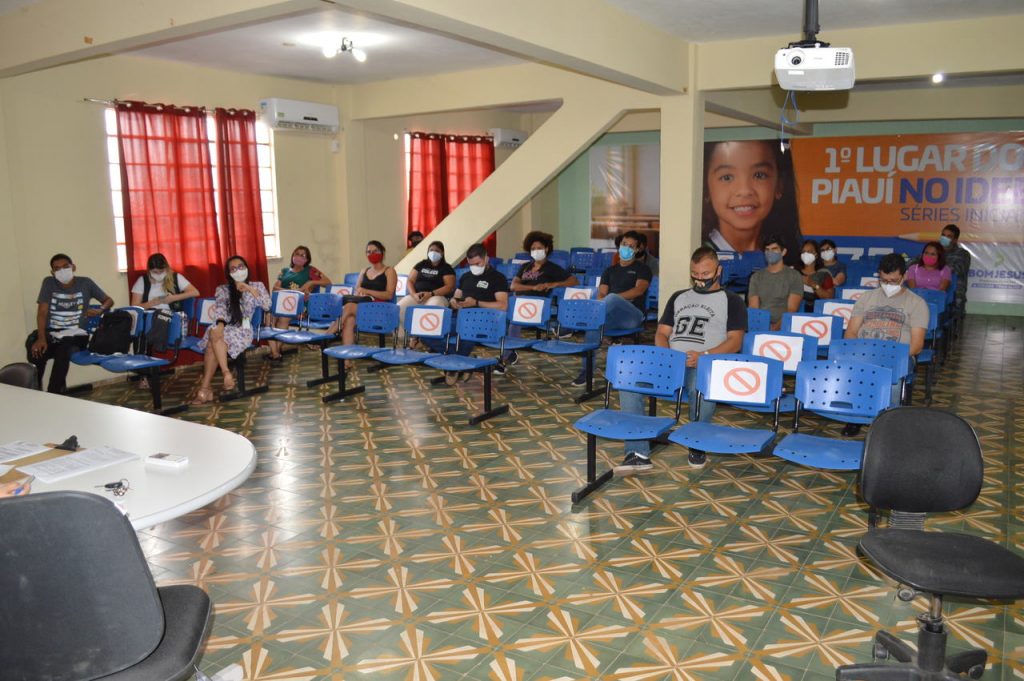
(893, 646)
(436, 380)
(590, 392)
(154, 390)
(593, 481)
(963, 662)
(873, 671)
(928, 383)
(325, 376)
(488, 412)
(342, 392)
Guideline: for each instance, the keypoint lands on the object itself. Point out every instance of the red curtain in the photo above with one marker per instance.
(443, 171)
(238, 182)
(167, 184)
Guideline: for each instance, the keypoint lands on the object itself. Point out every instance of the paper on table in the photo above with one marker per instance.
(84, 461)
(19, 450)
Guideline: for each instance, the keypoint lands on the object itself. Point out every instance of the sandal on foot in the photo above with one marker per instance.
(230, 387)
(203, 395)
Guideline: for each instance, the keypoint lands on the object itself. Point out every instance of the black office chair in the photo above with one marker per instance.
(79, 602)
(20, 374)
(919, 461)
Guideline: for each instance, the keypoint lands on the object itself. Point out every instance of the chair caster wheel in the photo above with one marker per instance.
(976, 671)
(879, 652)
(906, 594)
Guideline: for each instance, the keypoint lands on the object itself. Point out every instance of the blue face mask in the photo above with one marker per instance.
(772, 257)
(626, 252)
(945, 241)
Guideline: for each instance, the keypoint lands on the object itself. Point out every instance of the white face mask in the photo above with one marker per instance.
(240, 275)
(476, 270)
(64, 275)
(157, 276)
(808, 258)
(828, 255)
(538, 254)
(891, 289)
(434, 257)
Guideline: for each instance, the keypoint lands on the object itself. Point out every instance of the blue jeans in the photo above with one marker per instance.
(436, 345)
(635, 403)
(619, 314)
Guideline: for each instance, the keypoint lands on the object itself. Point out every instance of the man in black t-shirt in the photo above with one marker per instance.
(624, 290)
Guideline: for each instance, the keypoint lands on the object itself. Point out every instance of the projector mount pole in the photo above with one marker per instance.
(811, 27)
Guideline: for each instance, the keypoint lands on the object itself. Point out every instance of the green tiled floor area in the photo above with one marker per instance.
(383, 538)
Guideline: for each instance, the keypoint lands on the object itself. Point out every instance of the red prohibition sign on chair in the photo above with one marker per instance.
(578, 295)
(528, 311)
(777, 349)
(289, 303)
(430, 321)
(815, 327)
(742, 382)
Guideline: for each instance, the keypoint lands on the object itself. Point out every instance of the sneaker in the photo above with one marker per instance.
(562, 335)
(500, 369)
(634, 463)
(580, 380)
(851, 429)
(512, 359)
(696, 459)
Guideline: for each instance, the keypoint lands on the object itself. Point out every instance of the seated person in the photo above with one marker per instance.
(624, 290)
(63, 306)
(816, 277)
(300, 276)
(377, 283)
(431, 282)
(482, 286)
(415, 237)
(776, 288)
(890, 312)
(535, 278)
(161, 288)
(930, 271)
(703, 320)
(231, 333)
(831, 262)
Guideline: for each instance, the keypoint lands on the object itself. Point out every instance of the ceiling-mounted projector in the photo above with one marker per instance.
(810, 64)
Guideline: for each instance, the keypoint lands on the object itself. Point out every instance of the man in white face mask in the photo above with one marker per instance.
(63, 306)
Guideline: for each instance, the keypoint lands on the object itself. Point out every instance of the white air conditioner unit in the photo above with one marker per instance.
(506, 137)
(291, 114)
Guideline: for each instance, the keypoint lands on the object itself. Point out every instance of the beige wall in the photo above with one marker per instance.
(54, 187)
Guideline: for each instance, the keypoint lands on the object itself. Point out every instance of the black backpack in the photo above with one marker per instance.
(113, 335)
(159, 329)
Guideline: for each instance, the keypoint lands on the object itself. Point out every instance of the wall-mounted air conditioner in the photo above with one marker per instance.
(291, 114)
(506, 137)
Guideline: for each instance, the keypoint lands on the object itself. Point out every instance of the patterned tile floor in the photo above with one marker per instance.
(383, 538)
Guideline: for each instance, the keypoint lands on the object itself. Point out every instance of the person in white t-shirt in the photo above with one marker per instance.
(161, 288)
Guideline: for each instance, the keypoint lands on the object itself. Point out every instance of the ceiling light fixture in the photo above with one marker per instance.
(938, 78)
(332, 49)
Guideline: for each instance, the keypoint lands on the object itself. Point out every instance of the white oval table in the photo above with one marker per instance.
(219, 460)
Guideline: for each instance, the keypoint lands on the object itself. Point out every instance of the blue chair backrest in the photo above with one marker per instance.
(377, 318)
(934, 313)
(352, 278)
(424, 321)
(257, 322)
(529, 311)
(508, 269)
(574, 293)
(560, 258)
(824, 327)
(646, 369)
(739, 379)
(341, 289)
(932, 296)
(850, 292)
(582, 259)
(837, 308)
(287, 303)
(522, 255)
(652, 294)
(895, 356)
(592, 281)
(581, 315)
(758, 319)
(459, 271)
(856, 388)
(480, 325)
(204, 311)
(324, 307)
(788, 348)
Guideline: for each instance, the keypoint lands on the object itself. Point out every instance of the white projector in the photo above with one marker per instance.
(815, 67)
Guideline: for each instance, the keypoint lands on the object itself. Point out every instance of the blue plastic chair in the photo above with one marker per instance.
(575, 316)
(145, 365)
(854, 392)
(89, 358)
(895, 356)
(651, 302)
(483, 326)
(205, 307)
(525, 312)
(377, 318)
(789, 348)
(644, 369)
(758, 319)
(351, 279)
(581, 260)
(322, 309)
(508, 270)
(560, 258)
(284, 303)
(732, 384)
(439, 329)
(824, 327)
